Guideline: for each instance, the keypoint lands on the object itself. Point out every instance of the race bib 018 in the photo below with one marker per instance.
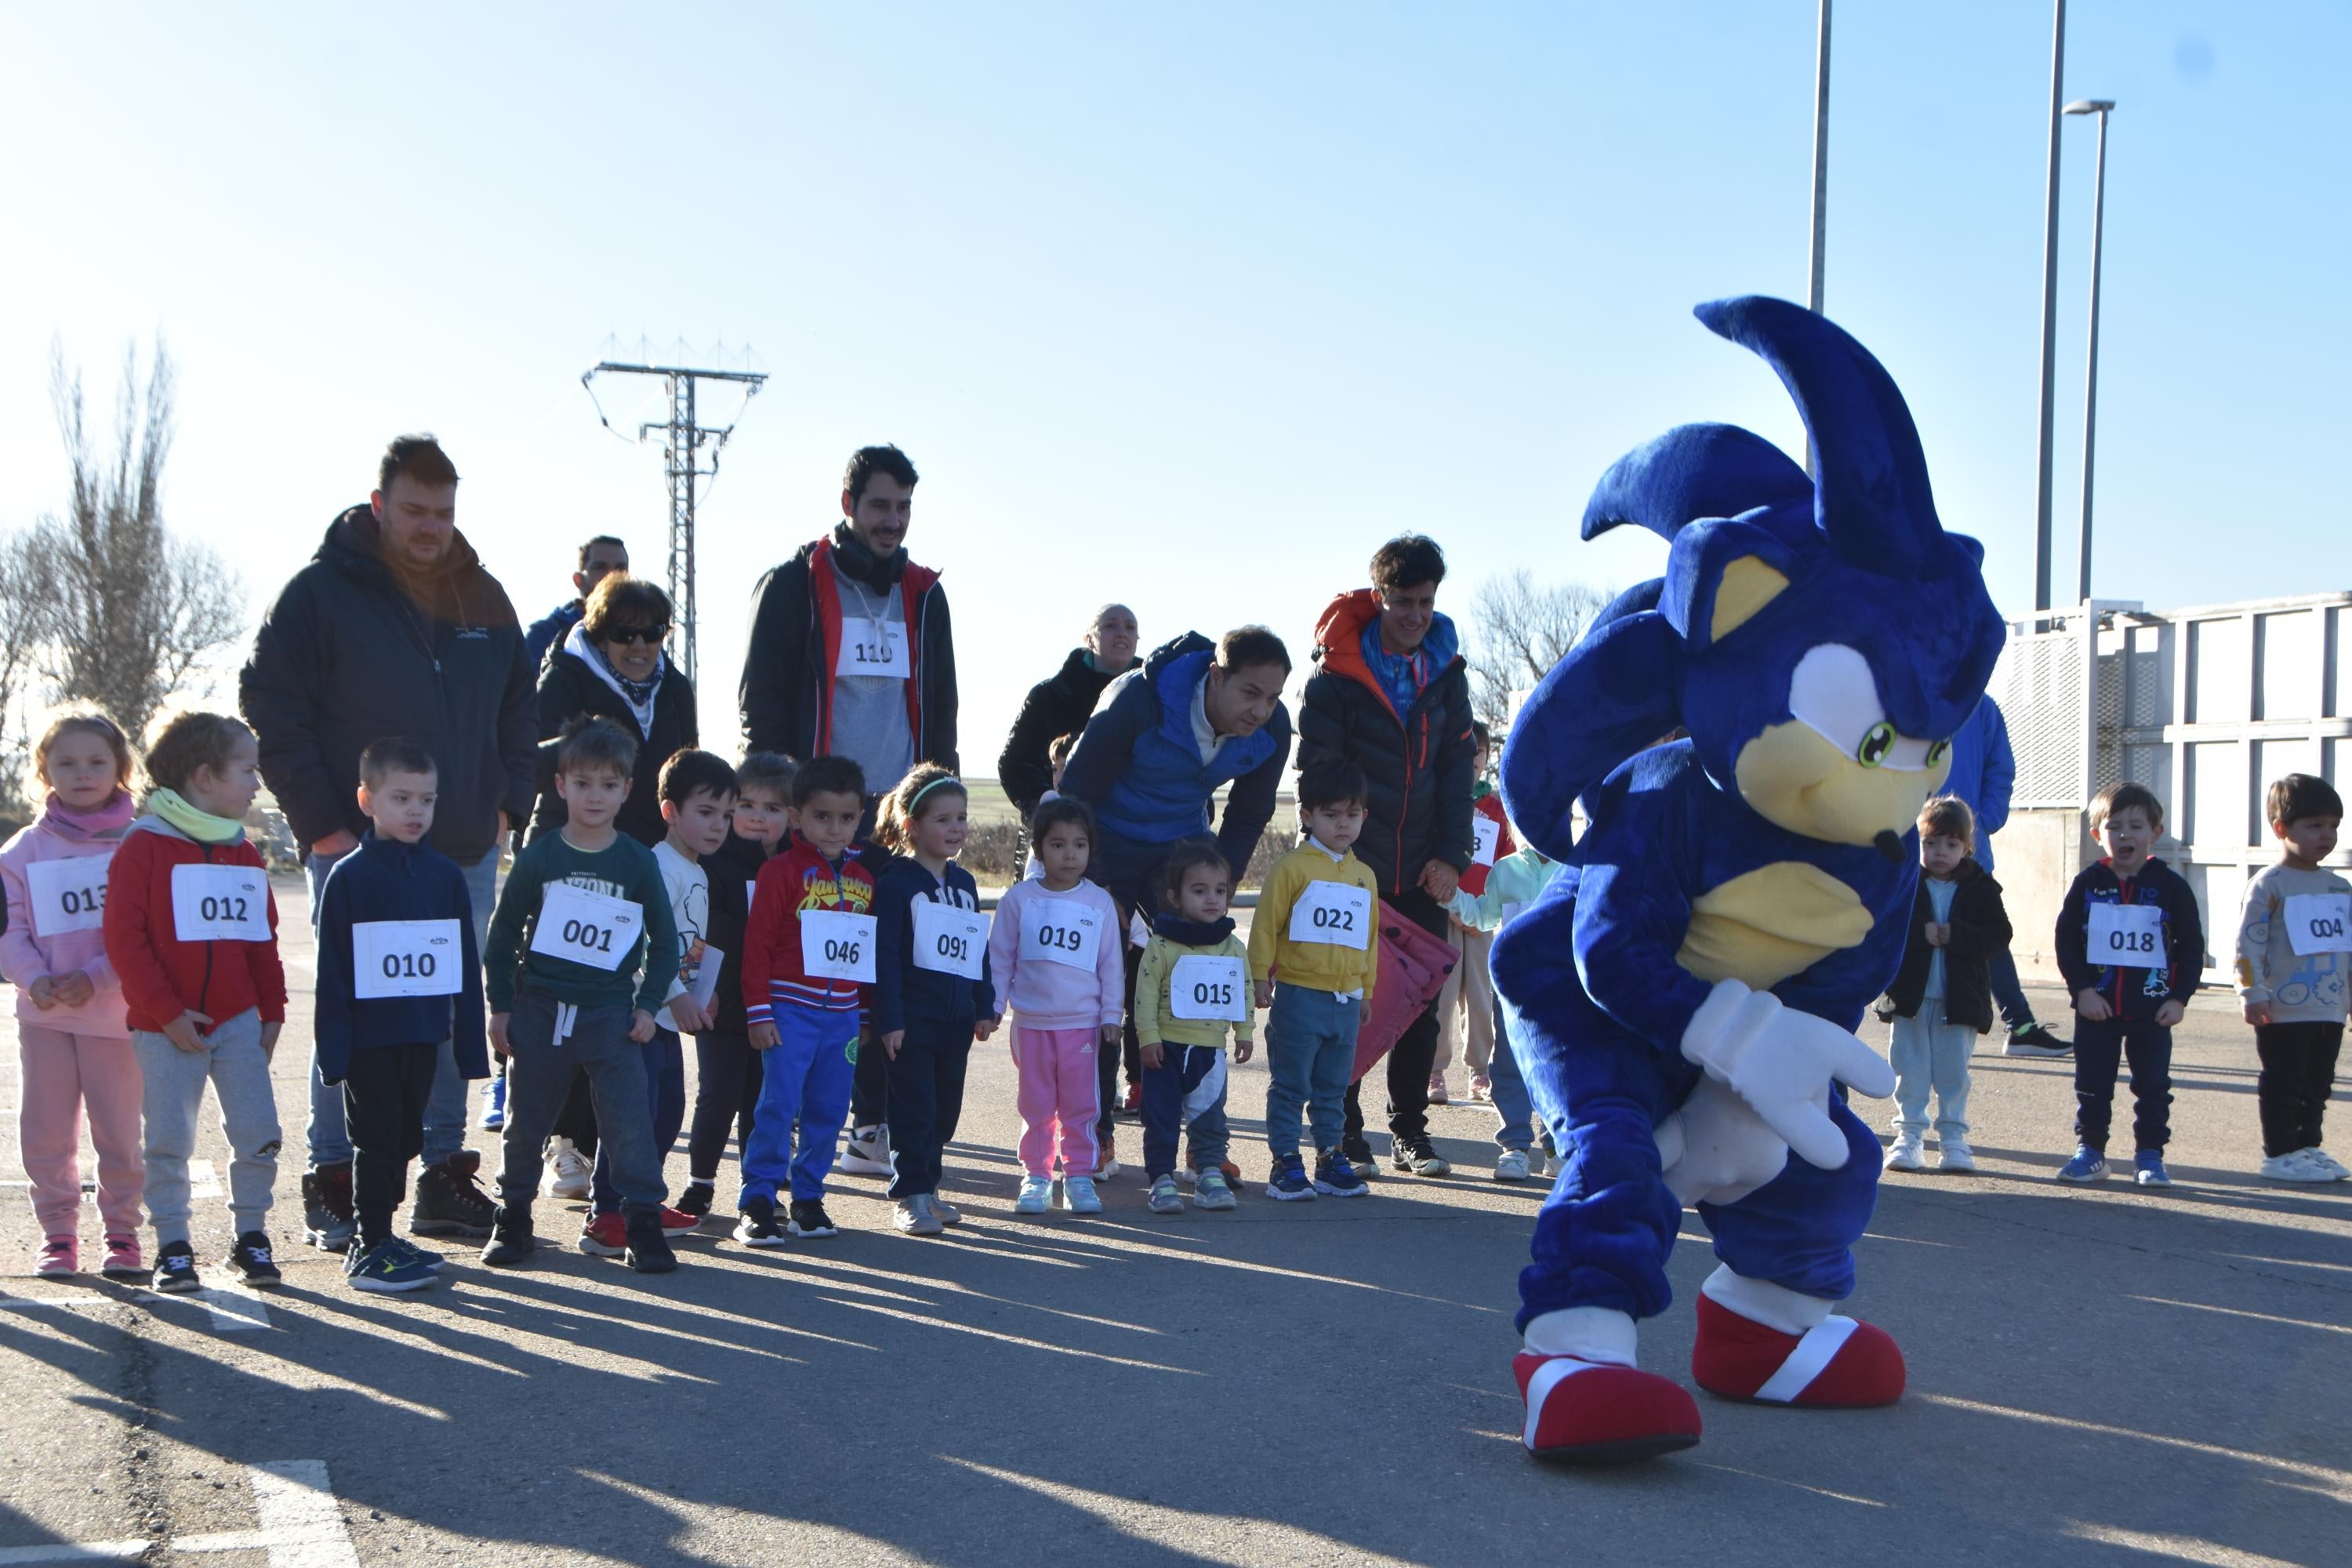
(406, 958)
(949, 938)
(836, 944)
(1339, 913)
(2128, 936)
(220, 903)
(873, 647)
(2316, 923)
(68, 895)
(1060, 931)
(582, 927)
(1209, 987)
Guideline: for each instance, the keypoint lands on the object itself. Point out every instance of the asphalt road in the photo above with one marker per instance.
(2097, 1376)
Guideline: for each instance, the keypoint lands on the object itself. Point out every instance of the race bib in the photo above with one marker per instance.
(220, 903)
(1510, 912)
(1060, 931)
(406, 958)
(582, 927)
(1209, 987)
(1138, 930)
(838, 945)
(704, 987)
(2128, 935)
(2315, 923)
(949, 938)
(1339, 913)
(68, 895)
(1490, 838)
(873, 647)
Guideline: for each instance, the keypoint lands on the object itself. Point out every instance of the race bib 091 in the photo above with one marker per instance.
(949, 939)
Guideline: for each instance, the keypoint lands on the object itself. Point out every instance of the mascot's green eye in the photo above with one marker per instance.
(1876, 741)
(1938, 751)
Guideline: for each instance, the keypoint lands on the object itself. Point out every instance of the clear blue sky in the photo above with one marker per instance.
(1187, 306)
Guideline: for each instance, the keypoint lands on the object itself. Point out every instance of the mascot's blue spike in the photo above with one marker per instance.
(1693, 471)
(1873, 501)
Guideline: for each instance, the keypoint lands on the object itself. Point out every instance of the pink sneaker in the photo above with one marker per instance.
(122, 1255)
(58, 1255)
(1437, 1095)
(1482, 1088)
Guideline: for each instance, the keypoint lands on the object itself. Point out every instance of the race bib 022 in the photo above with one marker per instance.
(1339, 913)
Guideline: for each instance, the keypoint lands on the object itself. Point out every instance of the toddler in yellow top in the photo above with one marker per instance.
(1192, 990)
(1314, 950)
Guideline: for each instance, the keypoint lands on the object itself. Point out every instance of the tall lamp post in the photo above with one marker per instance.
(2100, 107)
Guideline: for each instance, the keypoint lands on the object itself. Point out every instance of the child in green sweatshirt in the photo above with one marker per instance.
(1511, 886)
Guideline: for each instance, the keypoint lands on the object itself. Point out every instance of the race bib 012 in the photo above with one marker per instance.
(582, 927)
(68, 895)
(2316, 923)
(949, 939)
(2127, 936)
(406, 958)
(836, 944)
(1209, 987)
(1339, 913)
(220, 903)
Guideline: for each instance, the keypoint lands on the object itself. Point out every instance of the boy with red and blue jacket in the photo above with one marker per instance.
(808, 961)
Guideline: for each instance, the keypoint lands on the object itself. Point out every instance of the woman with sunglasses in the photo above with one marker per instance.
(612, 665)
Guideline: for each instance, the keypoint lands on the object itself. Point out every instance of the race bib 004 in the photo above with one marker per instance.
(836, 944)
(949, 939)
(406, 958)
(220, 903)
(582, 927)
(1339, 913)
(2315, 923)
(1209, 987)
(68, 895)
(2128, 936)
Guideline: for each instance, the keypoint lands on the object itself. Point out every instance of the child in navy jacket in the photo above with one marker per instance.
(2131, 945)
(398, 974)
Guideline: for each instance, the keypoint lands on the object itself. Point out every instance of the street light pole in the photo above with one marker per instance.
(1817, 251)
(2100, 107)
(2049, 318)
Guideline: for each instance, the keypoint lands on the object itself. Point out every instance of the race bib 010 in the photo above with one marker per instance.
(2127, 936)
(220, 903)
(2317, 923)
(1209, 987)
(873, 647)
(949, 939)
(1338, 914)
(581, 927)
(406, 958)
(68, 895)
(836, 944)
(1060, 931)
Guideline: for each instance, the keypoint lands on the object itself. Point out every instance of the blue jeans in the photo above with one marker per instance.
(444, 1107)
(805, 1076)
(1310, 1050)
(665, 1103)
(1517, 1111)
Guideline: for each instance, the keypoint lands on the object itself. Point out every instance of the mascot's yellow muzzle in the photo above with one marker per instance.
(1794, 778)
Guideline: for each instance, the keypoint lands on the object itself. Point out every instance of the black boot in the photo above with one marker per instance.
(649, 1250)
(510, 1238)
(450, 1200)
(327, 1220)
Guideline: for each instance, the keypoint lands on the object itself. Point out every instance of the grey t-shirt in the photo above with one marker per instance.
(870, 712)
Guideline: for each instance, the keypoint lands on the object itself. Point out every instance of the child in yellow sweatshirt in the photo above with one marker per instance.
(1191, 989)
(1314, 950)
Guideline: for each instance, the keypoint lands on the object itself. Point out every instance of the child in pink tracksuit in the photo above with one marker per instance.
(72, 1038)
(1054, 954)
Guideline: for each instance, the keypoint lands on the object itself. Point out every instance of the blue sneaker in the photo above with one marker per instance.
(1289, 1184)
(2150, 1170)
(387, 1266)
(425, 1255)
(2088, 1164)
(494, 1114)
(1334, 1177)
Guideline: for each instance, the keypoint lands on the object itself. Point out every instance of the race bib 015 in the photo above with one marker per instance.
(1209, 987)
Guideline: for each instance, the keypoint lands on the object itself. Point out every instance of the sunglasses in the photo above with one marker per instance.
(652, 637)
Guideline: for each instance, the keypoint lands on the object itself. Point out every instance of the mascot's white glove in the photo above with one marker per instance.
(1716, 1150)
(1782, 1062)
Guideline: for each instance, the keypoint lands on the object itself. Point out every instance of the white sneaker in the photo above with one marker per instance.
(1078, 1195)
(1511, 1165)
(2294, 1167)
(1952, 1154)
(1905, 1153)
(865, 1152)
(1105, 1168)
(568, 1170)
(2321, 1159)
(1036, 1196)
(1553, 1166)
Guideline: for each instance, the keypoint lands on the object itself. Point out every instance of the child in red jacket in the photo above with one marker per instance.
(192, 932)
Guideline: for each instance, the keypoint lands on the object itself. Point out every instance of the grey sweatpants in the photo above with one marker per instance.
(234, 1064)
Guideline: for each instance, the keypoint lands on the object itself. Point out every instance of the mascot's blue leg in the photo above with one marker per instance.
(1798, 1230)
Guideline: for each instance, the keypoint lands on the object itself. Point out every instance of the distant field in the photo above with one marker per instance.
(989, 804)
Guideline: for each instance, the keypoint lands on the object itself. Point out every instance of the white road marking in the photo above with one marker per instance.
(235, 1309)
(87, 1552)
(302, 1526)
(203, 1180)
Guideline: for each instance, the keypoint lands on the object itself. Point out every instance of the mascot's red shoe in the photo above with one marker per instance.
(1590, 1413)
(1839, 1365)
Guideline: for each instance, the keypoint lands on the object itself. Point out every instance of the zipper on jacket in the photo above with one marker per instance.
(204, 992)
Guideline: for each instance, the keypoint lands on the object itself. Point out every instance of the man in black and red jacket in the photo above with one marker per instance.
(1390, 693)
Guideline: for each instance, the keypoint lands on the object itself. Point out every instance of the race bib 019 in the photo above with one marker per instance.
(406, 958)
(1209, 987)
(2127, 936)
(68, 895)
(1339, 913)
(2316, 923)
(836, 944)
(949, 939)
(873, 647)
(582, 927)
(1490, 838)
(220, 903)
(1060, 931)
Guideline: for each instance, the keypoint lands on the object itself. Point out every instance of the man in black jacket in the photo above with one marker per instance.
(1390, 693)
(1061, 704)
(393, 628)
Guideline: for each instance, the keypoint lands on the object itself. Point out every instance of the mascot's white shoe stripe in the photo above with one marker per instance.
(1548, 1376)
(1809, 1359)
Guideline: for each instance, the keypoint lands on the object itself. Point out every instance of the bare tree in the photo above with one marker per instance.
(128, 609)
(21, 625)
(1520, 629)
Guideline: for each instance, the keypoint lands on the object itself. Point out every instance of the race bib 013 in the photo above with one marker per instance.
(949, 939)
(68, 895)
(406, 958)
(2315, 923)
(1339, 913)
(836, 944)
(2127, 936)
(220, 903)
(581, 927)
(1209, 987)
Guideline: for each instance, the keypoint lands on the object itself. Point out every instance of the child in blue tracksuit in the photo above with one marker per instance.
(397, 974)
(931, 991)
(1512, 884)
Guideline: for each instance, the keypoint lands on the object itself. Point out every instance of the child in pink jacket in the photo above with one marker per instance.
(1055, 954)
(73, 1040)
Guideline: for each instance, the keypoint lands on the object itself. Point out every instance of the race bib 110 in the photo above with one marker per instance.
(949, 939)
(2316, 923)
(220, 903)
(836, 944)
(2128, 936)
(1339, 913)
(1209, 987)
(68, 895)
(406, 958)
(873, 647)
(582, 927)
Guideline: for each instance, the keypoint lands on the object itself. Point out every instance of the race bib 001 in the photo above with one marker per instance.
(873, 647)
(1490, 838)
(949, 939)
(582, 927)
(836, 944)
(220, 903)
(1209, 987)
(68, 895)
(1339, 913)
(2316, 923)
(1060, 931)
(2128, 936)
(406, 958)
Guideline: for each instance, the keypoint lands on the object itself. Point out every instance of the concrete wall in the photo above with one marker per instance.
(2036, 855)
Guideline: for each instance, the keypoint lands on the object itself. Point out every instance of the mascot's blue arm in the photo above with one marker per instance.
(1841, 986)
(1633, 894)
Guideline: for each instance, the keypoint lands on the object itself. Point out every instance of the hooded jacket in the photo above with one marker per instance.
(786, 691)
(940, 1005)
(1980, 929)
(550, 630)
(162, 976)
(1138, 765)
(1056, 705)
(2133, 994)
(384, 880)
(350, 653)
(1419, 761)
(27, 953)
(569, 690)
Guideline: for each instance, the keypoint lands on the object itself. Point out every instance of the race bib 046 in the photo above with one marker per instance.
(406, 958)
(1339, 913)
(68, 895)
(1209, 987)
(2315, 923)
(2128, 936)
(594, 929)
(949, 939)
(220, 903)
(836, 944)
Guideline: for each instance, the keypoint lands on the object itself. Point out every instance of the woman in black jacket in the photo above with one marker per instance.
(1062, 704)
(610, 665)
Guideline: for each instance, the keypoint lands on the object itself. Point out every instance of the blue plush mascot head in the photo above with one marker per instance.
(1820, 642)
